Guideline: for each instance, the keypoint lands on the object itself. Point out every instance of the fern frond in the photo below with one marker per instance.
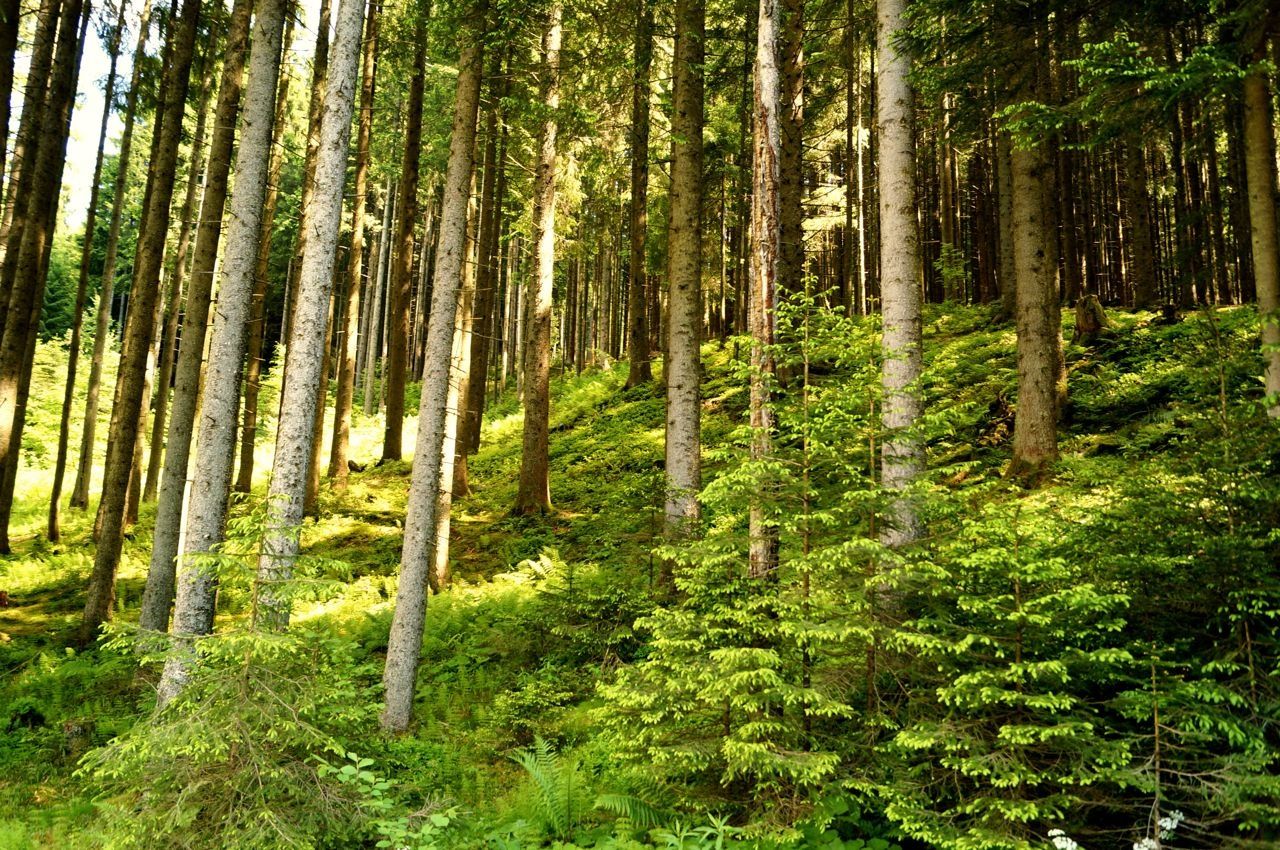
(641, 813)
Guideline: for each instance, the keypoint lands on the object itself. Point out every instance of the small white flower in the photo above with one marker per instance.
(1061, 841)
(1146, 844)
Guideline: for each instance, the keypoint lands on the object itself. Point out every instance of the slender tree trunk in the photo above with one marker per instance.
(401, 281)
(766, 267)
(1138, 199)
(27, 266)
(101, 333)
(254, 355)
(902, 453)
(639, 370)
(682, 370)
(338, 463)
(158, 594)
(207, 514)
(86, 248)
(10, 23)
(1260, 171)
(302, 367)
(144, 296)
(1006, 275)
(534, 495)
(428, 489)
(377, 274)
(791, 164)
(173, 299)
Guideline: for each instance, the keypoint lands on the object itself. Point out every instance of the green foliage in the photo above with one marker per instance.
(561, 791)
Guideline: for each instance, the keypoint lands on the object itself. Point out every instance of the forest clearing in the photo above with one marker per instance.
(511, 424)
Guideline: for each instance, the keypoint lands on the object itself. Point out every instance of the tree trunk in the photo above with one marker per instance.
(639, 370)
(1260, 171)
(215, 452)
(1138, 199)
(902, 453)
(27, 266)
(534, 495)
(427, 487)
(351, 320)
(86, 248)
(684, 275)
(254, 356)
(186, 392)
(401, 284)
(377, 276)
(10, 23)
(102, 322)
(1006, 275)
(766, 268)
(144, 296)
(1035, 439)
(302, 368)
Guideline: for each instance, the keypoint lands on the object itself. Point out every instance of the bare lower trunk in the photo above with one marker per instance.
(315, 282)
(1138, 200)
(638, 369)
(206, 520)
(144, 296)
(186, 393)
(902, 453)
(404, 645)
(534, 495)
(684, 275)
(1260, 171)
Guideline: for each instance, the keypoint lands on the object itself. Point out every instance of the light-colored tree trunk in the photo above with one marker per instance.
(682, 370)
(144, 296)
(338, 461)
(254, 355)
(401, 280)
(453, 460)
(302, 368)
(417, 557)
(534, 494)
(765, 267)
(639, 370)
(902, 453)
(102, 320)
(215, 451)
(86, 254)
(1260, 175)
(158, 595)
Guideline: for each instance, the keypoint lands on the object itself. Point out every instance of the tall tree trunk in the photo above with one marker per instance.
(902, 453)
(791, 164)
(186, 392)
(401, 284)
(1007, 275)
(169, 338)
(377, 278)
(86, 248)
(534, 494)
(144, 296)
(10, 23)
(427, 488)
(254, 355)
(345, 395)
(766, 268)
(215, 452)
(27, 266)
(106, 288)
(302, 368)
(639, 370)
(682, 370)
(1260, 171)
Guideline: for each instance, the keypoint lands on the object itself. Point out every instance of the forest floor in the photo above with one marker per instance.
(541, 609)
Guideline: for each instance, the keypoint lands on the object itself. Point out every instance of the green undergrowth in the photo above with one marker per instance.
(536, 722)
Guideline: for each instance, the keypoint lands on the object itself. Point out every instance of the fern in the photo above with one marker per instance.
(559, 784)
(641, 813)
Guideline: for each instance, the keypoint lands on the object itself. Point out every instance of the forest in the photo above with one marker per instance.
(623, 424)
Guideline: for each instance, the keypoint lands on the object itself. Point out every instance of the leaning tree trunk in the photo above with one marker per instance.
(302, 367)
(258, 312)
(639, 370)
(401, 285)
(207, 513)
(28, 266)
(534, 494)
(82, 286)
(1260, 174)
(345, 395)
(684, 275)
(766, 262)
(140, 324)
(106, 288)
(404, 645)
(902, 453)
(186, 392)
